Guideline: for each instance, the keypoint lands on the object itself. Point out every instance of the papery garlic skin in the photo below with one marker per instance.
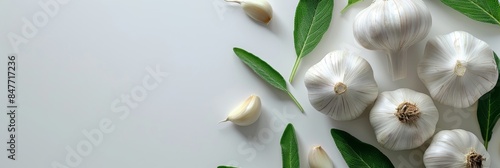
(319, 159)
(393, 26)
(403, 119)
(247, 112)
(341, 85)
(259, 10)
(458, 69)
(456, 149)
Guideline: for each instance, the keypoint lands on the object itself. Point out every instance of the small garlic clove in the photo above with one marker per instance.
(319, 159)
(259, 10)
(246, 113)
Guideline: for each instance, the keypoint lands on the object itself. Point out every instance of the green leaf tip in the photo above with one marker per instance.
(349, 4)
(289, 148)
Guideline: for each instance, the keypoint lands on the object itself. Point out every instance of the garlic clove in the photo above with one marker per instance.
(246, 113)
(259, 10)
(393, 26)
(341, 85)
(403, 119)
(319, 159)
(456, 148)
(458, 69)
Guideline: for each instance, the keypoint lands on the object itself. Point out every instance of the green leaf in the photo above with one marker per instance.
(312, 19)
(488, 110)
(349, 4)
(226, 167)
(289, 148)
(487, 11)
(358, 154)
(265, 71)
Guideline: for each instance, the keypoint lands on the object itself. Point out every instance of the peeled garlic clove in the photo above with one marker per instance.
(393, 26)
(403, 119)
(456, 148)
(319, 159)
(458, 69)
(246, 113)
(259, 10)
(341, 85)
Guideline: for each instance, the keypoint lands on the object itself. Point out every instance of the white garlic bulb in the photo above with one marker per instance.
(403, 119)
(456, 149)
(458, 69)
(319, 159)
(259, 10)
(393, 26)
(341, 85)
(246, 113)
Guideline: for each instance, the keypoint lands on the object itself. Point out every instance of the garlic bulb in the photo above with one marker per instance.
(341, 85)
(319, 159)
(246, 113)
(456, 149)
(458, 69)
(259, 10)
(393, 26)
(403, 119)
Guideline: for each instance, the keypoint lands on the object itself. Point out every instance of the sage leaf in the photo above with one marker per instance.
(266, 72)
(349, 4)
(312, 19)
(289, 148)
(226, 167)
(487, 11)
(358, 154)
(488, 110)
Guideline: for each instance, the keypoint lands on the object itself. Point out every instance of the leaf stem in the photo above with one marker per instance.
(295, 67)
(295, 101)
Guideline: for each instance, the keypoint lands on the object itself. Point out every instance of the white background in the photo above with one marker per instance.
(90, 54)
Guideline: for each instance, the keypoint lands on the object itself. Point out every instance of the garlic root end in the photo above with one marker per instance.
(474, 160)
(407, 113)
